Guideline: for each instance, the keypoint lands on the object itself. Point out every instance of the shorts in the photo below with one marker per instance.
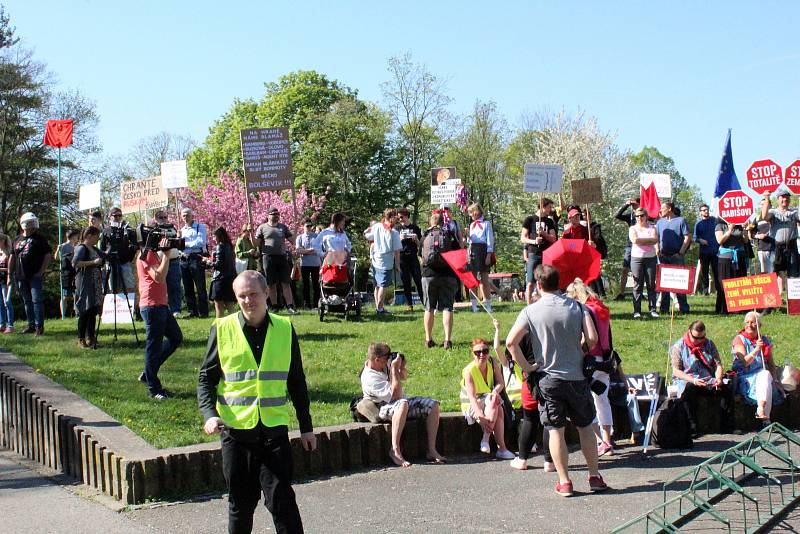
(418, 408)
(439, 292)
(469, 415)
(276, 269)
(533, 260)
(562, 399)
(383, 278)
(626, 259)
(222, 290)
(128, 280)
(782, 258)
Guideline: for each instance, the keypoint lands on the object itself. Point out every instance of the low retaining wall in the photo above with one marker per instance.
(49, 424)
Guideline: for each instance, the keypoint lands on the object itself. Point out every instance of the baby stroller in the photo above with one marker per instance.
(337, 286)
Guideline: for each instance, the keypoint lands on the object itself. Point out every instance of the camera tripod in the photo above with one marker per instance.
(113, 281)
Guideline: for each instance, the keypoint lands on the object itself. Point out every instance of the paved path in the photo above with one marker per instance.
(467, 495)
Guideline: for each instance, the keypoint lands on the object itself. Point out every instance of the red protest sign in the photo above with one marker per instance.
(675, 279)
(764, 175)
(791, 177)
(749, 292)
(793, 296)
(735, 207)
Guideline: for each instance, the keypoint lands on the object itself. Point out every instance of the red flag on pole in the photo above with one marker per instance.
(457, 260)
(649, 200)
(58, 134)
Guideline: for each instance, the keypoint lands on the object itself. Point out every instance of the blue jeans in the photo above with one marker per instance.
(6, 306)
(174, 291)
(158, 324)
(194, 276)
(31, 291)
(634, 416)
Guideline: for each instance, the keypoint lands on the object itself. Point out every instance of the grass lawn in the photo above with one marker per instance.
(333, 353)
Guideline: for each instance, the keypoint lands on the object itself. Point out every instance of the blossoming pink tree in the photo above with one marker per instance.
(224, 205)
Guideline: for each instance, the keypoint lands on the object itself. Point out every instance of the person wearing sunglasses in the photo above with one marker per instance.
(481, 384)
(697, 371)
(643, 238)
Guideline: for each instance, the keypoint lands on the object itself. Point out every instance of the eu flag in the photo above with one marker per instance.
(726, 179)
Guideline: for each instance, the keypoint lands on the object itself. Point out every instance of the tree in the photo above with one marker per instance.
(418, 103)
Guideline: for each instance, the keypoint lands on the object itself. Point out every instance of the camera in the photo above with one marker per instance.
(118, 243)
(393, 355)
(151, 236)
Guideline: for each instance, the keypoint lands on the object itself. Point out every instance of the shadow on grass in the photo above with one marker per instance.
(320, 336)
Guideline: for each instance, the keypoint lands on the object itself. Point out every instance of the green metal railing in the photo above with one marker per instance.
(767, 455)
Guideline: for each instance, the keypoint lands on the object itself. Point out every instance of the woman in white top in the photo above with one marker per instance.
(480, 253)
(333, 238)
(643, 262)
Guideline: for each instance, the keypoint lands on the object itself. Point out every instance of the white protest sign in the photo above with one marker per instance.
(89, 196)
(140, 195)
(675, 279)
(793, 296)
(663, 183)
(117, 302)
(174, 174)
(445, 193)
(542, 178)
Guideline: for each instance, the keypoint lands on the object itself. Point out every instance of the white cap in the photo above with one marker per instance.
(27, 217)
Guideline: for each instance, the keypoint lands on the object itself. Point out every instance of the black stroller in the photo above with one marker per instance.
(337, 286)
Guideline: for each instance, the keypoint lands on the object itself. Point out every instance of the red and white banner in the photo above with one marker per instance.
(750, 292)
(675, 279)
(735, 207)
(793, 296)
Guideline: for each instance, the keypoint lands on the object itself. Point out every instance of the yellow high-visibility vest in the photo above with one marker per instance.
(481, 386)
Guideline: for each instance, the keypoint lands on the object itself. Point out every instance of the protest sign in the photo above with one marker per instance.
(267, 159)
(662, 182)
(749, 292)
(117, 302)
(174, 175)
(542, 178)
(675, 279)
(793, 296)
(645, 385)
(735, 207)
(587, 191)
(792, 177)
(89, 196)
(764, 175)
(139, 195)
(445, 193)
(439, 175)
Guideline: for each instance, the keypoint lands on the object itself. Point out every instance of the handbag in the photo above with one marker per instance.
(241, 265)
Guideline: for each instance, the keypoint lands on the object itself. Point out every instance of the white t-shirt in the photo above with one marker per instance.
(375, 385)
(385, 244)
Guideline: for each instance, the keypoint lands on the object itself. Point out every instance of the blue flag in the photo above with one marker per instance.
(726, 179)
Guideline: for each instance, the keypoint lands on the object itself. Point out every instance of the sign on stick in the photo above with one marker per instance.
(446, 192)
(791, 177)
(764, 175)
(735, 207)
(645, 385)
(89, 196)
(139, 195)
(174, 175)
(663, 183)
(587, 191)
(267, 159)
(675, 279)
(748, 292)
(542, 178)
(793, 295)
(117, 304)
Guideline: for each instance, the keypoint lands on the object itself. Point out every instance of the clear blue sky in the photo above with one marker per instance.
(675, 75)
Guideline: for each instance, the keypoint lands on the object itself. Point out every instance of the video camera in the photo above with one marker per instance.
(118, 242)
(151, 236)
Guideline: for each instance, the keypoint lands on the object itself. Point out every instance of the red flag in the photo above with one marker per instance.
(58, 134)
(649, 200)
(457, 260)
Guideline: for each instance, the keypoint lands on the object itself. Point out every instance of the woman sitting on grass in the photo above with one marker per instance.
(481, 384)
(755, 368)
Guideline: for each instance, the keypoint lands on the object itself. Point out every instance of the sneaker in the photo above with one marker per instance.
(519, 464)
(39, 332)
(654, 314)
(504, 455)
(9, 330)
(142, 378)
(637, 315)
(28, 330)
(596, 483)
(161, 395)
(565, 489)
(605, 448)
(291, 310)
(549, 467)
(176, 314)
(485, 448)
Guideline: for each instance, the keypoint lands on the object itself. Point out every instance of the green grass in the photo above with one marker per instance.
(333, 353)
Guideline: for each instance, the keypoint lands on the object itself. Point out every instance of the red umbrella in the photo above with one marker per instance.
(573, 258)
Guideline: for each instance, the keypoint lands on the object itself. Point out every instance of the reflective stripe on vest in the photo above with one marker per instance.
(248, 392)
(481, 386)
(513, 387)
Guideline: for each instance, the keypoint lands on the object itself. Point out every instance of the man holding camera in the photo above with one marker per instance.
(192, 268)
(557, 327)
(382, 383)
(118, 242)
(158, 321)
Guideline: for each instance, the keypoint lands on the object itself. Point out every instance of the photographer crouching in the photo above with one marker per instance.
(158, 320)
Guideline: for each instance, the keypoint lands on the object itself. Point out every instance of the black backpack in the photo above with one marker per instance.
(436, 241)
(671, 425)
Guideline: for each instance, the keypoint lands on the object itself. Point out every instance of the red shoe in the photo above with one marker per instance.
(596, 483)
(565, 489)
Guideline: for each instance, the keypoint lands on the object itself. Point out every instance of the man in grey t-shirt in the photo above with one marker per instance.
(271, 237)
(558, 326)
(783, 231)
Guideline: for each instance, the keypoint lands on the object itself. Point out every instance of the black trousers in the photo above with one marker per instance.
(708, 261)
(410, 269)
(310, 276)
(530, 429)
(194, 276)
(263, 464)
(724, 396)
(727, 269)
(86, 323)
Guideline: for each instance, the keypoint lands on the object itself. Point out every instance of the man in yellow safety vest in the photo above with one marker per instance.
(252, 361)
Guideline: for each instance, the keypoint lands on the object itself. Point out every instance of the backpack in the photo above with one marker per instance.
(435, 242)
(671, 425)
